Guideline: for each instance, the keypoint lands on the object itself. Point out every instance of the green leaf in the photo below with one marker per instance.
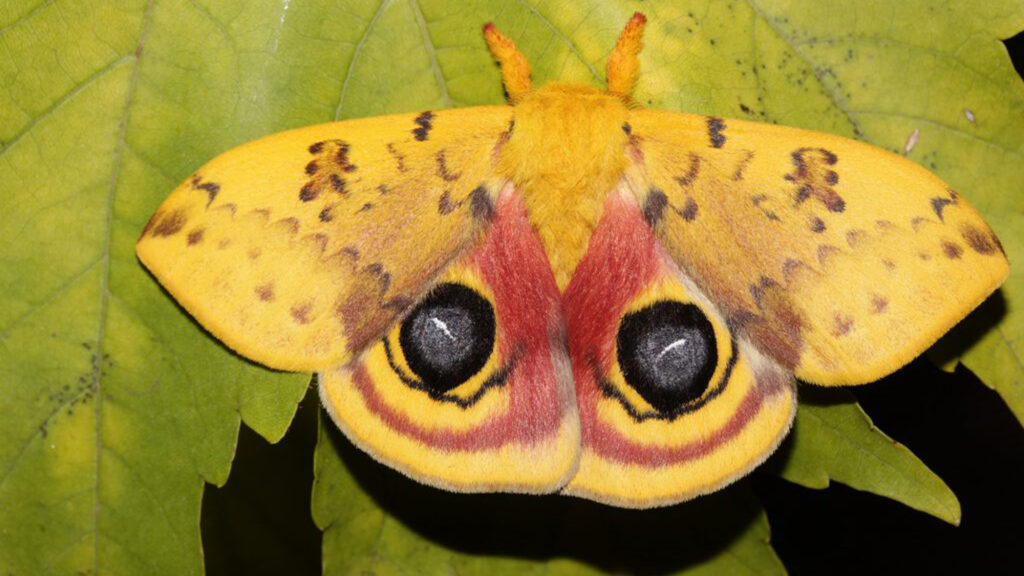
(833, 439)
(117, 406)
(377, 521)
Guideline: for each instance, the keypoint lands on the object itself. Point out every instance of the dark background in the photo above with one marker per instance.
(260, 522)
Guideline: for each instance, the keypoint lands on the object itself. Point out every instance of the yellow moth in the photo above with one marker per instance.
(570, 293)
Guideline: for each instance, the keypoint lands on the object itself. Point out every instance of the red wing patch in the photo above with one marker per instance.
(512, 424)
(671, 404)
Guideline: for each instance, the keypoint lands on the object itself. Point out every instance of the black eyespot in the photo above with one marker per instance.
(448, 337)
(667, 353)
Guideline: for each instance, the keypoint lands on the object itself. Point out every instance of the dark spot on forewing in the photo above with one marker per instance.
(716, 131)
(692, 171)
(338, 183)
(265, 292)
(814, 177)
(445, 205)
(398, 156)
(841, 324)
(351, 251)
(758, 290)
(331, 160)
(825, 252)
(939, 203)
(737, 173)
(855, 237)
(300, 312)
(443, 171)
(654, 206)
(195, 236)
(291, 224)
(170, 224)
(689, 212)
(952, 250)
(979, 240)
(308, 192)
(377, 270)
(424, 124)
(480, 204)
(879, 304)
(211, 188)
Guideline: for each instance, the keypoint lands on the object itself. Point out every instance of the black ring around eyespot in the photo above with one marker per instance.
(497, 380)
(610, 391)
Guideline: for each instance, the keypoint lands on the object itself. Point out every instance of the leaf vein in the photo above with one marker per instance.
(832, 92)
(147, 17)
(435, 66)
(558, 33)
(356, 53)
(60, 102)
(26, 16)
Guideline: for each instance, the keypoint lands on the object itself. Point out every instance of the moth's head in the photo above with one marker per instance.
(621, 70)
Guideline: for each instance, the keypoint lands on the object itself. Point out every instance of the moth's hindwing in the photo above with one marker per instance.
(673, 403)
(472, 390)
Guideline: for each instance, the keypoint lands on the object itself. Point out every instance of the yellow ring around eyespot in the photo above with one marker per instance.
(433, 413)
(634, 485)
(535, 467)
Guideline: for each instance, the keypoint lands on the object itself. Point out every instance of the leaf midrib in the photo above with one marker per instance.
(104, 287)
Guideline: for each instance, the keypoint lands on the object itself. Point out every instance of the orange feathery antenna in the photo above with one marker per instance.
(622, 63)
(515, 70)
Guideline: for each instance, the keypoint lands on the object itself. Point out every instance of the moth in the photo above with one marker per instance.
(570, 293)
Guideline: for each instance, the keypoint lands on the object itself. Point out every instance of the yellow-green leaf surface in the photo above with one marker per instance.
(833, 439)
(117, 406)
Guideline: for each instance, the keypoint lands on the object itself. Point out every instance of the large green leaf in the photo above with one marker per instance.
(833, 439)
(117, 406)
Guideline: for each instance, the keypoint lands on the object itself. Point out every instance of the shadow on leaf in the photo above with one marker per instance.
(544, 527)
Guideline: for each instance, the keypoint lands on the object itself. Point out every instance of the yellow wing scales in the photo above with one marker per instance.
(570, 293)
(299, 249)
(841, 260)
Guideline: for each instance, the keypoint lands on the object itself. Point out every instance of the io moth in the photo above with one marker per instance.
(570, 293)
